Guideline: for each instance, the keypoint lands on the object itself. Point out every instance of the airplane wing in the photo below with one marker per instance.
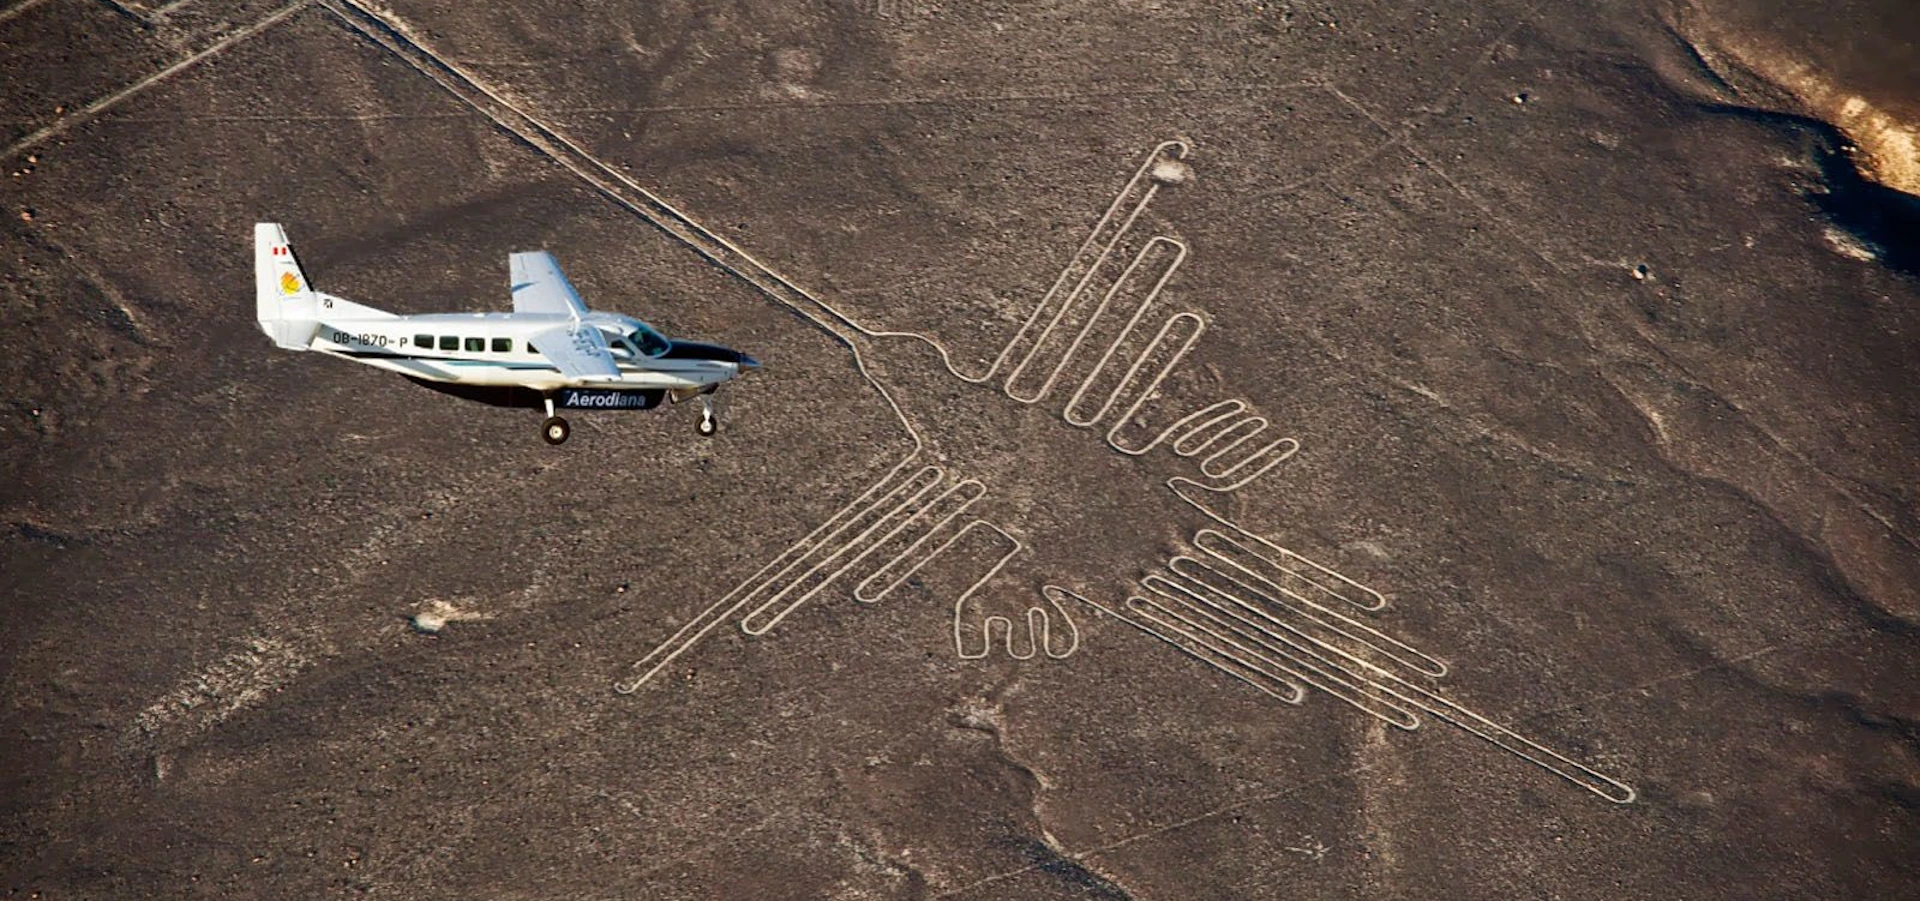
(580, 352)
(539, 286)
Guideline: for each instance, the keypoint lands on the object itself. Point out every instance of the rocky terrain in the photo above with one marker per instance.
(1581, 342)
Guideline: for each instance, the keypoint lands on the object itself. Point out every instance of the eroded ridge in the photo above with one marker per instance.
(1284, 624)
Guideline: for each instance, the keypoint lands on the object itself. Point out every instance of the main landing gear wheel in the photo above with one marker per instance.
(555, 430)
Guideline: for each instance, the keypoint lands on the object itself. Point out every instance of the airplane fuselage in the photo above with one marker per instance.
(492, 349)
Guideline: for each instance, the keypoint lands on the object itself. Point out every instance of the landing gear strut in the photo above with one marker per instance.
(708, 424)
(555, 430)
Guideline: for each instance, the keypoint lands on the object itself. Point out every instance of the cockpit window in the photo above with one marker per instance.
(649, 342)
(641, 341)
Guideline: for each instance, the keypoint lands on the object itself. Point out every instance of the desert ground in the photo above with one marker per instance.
(1204, 449)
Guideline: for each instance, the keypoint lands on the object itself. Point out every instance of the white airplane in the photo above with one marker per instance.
(551, 351)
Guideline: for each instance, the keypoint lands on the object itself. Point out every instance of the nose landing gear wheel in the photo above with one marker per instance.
(555, 430)
(708, 424)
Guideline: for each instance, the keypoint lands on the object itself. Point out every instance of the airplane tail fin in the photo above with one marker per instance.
(287, 306)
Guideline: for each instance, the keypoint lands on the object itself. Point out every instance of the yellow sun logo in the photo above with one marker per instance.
(289, 283)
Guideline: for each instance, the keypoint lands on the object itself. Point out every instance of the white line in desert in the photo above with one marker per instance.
(86, 113)
(1246, 606)
(1217, 431)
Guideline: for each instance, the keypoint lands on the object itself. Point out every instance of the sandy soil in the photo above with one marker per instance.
(1589, 350)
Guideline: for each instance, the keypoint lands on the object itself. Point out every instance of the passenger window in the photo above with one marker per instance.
(449, 342)
(503, 345)
(474, 345)
(425, 341)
